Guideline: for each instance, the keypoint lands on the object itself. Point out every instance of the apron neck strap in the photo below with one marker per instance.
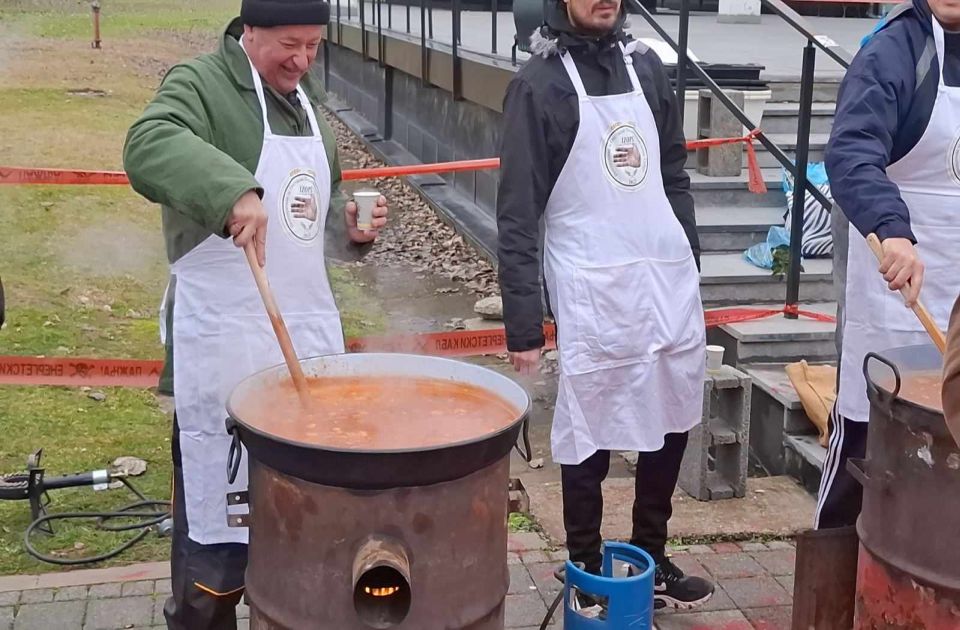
(574, 74)
(938, 39)
(301, 95)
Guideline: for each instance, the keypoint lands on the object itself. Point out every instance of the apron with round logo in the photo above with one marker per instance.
(221, 330)
(875, 317)
(623, 285)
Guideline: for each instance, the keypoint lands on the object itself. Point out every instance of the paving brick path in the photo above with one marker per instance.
(755, 588)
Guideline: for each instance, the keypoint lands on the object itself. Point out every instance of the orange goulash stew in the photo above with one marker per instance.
(922, 387)
(378, 412)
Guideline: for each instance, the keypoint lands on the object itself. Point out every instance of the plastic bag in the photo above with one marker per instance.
(761, 254)
(817, 241)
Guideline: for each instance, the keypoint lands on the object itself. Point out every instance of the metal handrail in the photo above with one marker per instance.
(833, 50)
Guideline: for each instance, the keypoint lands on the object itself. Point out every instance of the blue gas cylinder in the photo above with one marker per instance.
(626, 601)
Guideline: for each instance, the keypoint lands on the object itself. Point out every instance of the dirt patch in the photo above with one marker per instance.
(111, 250)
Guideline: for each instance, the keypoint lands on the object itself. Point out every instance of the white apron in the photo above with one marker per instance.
(221, 330)
(623, 285)
(875, 317)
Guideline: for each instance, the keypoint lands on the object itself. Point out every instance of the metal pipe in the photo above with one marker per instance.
(682, 54)
(95, 8)
(493, 26)
(381, 582)
(363, 28)
(379, 32)
(800, 179)
(389, 14)
(408, 17)
(457, 75)
(424, 56)
(430, 17)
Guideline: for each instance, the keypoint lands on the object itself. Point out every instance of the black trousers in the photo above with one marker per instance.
(841, 496)
(656, 481)
(207, 580)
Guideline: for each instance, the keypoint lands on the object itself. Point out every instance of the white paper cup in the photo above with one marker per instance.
(366, 201)
(714, 358)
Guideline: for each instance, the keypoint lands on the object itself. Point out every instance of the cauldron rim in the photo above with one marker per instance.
(282, 367)
(890, 396)
(376, 469)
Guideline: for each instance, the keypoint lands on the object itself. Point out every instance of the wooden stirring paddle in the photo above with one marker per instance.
(939, 339)
(283, 337)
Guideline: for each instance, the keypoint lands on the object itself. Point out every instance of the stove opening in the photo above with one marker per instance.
(381, 597)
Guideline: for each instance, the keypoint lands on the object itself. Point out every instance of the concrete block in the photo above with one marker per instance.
(739, 12)
(429, 150)
(715, 121)
(715, 463)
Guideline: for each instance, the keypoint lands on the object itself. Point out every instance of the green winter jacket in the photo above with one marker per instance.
(195, 150)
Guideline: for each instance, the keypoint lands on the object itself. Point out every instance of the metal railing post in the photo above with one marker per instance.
(800, 181)
(363, 28)
(379, 32)
(493, 25)
(457, 76)
(408, 16)
(424, 52)
(682, 54)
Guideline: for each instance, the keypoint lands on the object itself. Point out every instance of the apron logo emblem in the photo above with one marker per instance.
(625, 158)
(953, 161)
(301, 212)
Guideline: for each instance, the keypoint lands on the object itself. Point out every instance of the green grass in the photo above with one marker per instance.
(519, 522)
(79, 434)
(68, 253)
(119, 18)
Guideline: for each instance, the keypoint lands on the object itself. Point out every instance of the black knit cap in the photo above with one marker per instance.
(284, 12)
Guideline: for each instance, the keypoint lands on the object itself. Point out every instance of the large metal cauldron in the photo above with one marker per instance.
(352, 539)
(909, 569)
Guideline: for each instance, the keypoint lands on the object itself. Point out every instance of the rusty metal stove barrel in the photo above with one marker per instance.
(909, 567)
(353, 539)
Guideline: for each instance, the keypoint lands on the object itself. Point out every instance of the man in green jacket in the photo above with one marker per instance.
(233, 146)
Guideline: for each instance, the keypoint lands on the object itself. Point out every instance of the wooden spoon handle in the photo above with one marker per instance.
(939, 339)
(279, 328)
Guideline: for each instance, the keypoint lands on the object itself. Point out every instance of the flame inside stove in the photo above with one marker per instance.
(383, 591)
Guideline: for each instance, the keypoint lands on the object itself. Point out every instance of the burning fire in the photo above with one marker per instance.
(382, 591)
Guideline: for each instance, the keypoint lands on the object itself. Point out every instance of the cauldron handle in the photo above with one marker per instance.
(527, 453)
(866, 373)
(236, 451)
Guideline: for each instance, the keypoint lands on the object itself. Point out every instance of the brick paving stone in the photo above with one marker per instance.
(731, 565)
(558, 555)
(55, 615)
(110, 614)
(164, 587)
(102, 591)
(719, 601)
(9, 598)
(751, 547)
(699, 549)
(778, 562)
(525, 541)
(779, 545)
(727, 547)
(513, 558)
(37, 596)
(70, 593)
(6, 618)
(534, 557)
(787, 582)
(158, 618)
(520, 580)
(721, 620)
(144, 587)
(691, 565)
(756, 592)
(778, 618)
(546, 584)
(524, 610)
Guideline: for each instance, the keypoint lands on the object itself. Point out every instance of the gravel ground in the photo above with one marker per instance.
(415, 236)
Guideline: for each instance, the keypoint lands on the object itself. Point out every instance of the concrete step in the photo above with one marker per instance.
(803, 460)
(775, 412)
(787, 143)
(783, 118)
(728, 279)
(734, 229)
(732, 191)
(824, 90)
(777, 339)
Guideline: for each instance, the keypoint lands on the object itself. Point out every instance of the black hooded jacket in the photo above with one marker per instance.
(540, 117)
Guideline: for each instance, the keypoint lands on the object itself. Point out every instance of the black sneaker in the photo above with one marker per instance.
(675, 590)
